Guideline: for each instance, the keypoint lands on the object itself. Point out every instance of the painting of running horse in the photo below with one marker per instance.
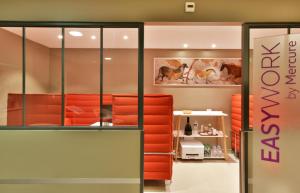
(197, 71)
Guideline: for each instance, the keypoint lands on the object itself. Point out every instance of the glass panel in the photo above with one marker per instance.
(82, 76)
(260, 33)
(43, 58)
(295, 31)
(10, 76)
(273, 145)
(121, 75)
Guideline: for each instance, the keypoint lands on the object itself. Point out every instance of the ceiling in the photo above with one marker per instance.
(156, 37)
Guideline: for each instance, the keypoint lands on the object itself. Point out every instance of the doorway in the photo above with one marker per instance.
(203, 47)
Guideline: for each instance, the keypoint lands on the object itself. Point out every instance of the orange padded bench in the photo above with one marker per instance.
(236, 120)
(158, 120)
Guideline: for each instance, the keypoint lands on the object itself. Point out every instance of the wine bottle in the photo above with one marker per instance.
(188, 128)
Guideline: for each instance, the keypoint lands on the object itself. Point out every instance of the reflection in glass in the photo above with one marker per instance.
(43, 79)
(82, 76)
(120, 71)
(10, 76)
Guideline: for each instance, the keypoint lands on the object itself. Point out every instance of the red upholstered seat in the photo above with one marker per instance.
(158, 119)
(158, 167)
(236, 120)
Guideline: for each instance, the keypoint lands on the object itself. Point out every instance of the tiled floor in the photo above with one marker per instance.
(200, 177)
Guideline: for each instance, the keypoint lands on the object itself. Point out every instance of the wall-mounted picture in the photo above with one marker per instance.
(197, 71)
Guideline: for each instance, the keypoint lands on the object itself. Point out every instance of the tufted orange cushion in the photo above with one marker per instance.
(236, 119)
(158, 120)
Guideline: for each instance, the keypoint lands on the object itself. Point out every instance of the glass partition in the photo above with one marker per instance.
(271, 139)
(120, 61)
(71, 76)
(120, 74)
(43, 76)
(82, 76)
(11, 76)
(63, 73)
(253, 148)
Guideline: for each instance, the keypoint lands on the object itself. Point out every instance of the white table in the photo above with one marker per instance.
(208, 113)
(97, 124)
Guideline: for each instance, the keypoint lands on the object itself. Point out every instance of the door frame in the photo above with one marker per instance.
(246, 130)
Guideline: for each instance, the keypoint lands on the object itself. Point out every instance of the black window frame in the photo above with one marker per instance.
(63, 26)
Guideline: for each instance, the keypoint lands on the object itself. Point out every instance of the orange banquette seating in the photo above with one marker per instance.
(83, 109)
(236, 120)
(158, 120)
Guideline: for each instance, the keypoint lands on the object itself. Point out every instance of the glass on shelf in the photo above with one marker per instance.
(219, 151)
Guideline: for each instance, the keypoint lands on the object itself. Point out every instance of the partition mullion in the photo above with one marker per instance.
(101, 77)
(63, 77)
(23, 76)
(141, 77)
(141, 102)
(245, 108)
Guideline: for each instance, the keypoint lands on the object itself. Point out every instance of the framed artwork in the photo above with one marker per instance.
(197, 71)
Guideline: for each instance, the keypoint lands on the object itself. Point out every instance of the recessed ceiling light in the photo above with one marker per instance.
(125, 37)
(60, 37)
(93, 37)
(185, 45)
(75, 33)
(107, 58)
(213, 45)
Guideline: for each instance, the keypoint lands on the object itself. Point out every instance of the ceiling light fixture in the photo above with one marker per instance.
(60, 37)
(185, 45)
(93, 37)
(108, 58)
(75, 33)
(125, 37)
(213, 45)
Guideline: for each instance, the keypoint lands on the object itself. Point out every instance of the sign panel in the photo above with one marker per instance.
(276, 136)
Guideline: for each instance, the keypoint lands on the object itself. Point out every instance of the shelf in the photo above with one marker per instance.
(179, 157)
(200, 113)
(214, 157)
(181, 134)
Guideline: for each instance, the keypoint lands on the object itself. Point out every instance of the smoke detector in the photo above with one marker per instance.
(190, 7)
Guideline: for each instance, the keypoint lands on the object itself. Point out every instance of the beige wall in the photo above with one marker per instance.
(37, 68)
(151, 10)
(82, 72)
